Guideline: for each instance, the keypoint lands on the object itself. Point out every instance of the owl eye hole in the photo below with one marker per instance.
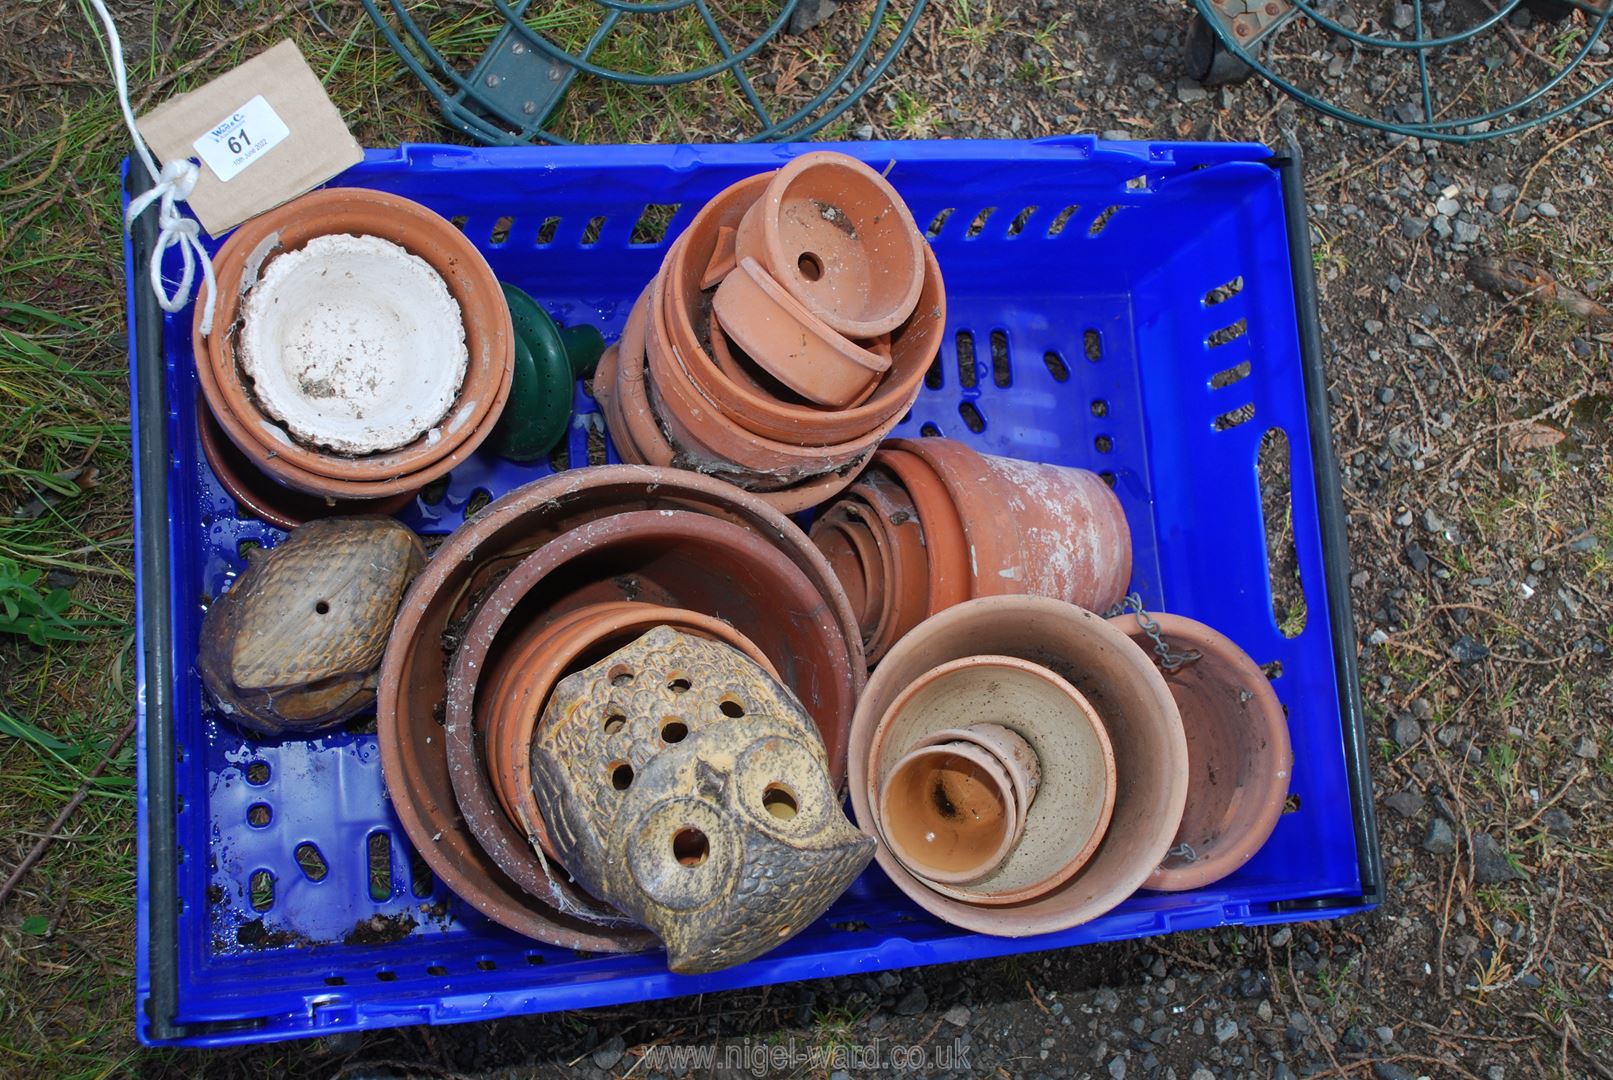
(732, 707)
(690, 846)
(779, 800)
(621, 675)
(678, 684)
(674, 731)
(614, 722)
(621, 775)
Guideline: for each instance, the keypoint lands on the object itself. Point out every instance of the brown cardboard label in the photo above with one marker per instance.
(262, 134)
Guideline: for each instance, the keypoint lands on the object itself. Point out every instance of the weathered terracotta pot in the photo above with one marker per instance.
(1238, 754)
(1041, 530)
(489, 337)
(1123, 688)
(688, 787)
(790, 343)
(835, 234)
(877, 506)
(1074, 759)
(945, 545)
(857, 562)
(295, 644)
(413, 678)
(949, 812)
(913, 348)
(268, 500)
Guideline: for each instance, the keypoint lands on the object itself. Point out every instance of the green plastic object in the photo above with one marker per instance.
(549, 359)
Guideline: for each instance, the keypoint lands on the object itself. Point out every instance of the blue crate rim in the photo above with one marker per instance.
(157, 776)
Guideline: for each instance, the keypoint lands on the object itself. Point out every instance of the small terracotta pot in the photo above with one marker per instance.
(857, 562)
(790, 343)
(835, 234)
(488, 330)
(1123, 688)
(950, 813)
(1238, 755)
(913, 345)
(1074, 760)
(894, 524)
(1007, 746)
(267, 500)
(1041, 530)
(413, 681)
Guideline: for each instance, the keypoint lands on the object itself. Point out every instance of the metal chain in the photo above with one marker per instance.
(1167, 658)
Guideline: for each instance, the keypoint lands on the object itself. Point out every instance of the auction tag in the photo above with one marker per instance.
(240, 140)
(262, 134)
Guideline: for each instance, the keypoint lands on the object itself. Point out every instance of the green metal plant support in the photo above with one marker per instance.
(549, 359)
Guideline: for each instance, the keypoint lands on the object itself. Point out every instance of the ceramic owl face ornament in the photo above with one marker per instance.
(685, 786)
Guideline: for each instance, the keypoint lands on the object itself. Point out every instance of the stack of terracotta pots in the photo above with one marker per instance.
(544, 582)
(932, 523)
(361, 349)
(788, 331)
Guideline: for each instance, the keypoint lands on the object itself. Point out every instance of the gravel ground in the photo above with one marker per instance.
(1473, 432)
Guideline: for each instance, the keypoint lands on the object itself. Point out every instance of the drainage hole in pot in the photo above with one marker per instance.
(621, 675)
(1103, 444)
(621, 775)
(971, 417)
(690, 846)
(322, 607)
(731, 707)
(779, 800)
(674, 731)
(810, 266)
(258, 815)
(678, 684)
(311, 861)
(614, 722)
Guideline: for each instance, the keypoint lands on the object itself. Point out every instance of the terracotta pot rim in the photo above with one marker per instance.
(960, 631)
(1079, 705)
(259, 493)
(945, 544)
(489, 332)
(992, 542)
(1264, 718)
(768, 208)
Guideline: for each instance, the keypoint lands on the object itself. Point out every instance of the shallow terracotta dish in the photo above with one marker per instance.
(1238, 754)
(1122, 686)
(835, 234)
(1076, 763)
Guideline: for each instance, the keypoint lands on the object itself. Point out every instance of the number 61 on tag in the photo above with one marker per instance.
(244, 136)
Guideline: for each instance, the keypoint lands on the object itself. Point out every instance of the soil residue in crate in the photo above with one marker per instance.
(381, 929)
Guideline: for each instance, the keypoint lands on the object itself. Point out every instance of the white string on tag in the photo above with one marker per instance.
(174, 182)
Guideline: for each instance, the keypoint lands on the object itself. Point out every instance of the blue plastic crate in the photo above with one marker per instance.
(1085, 283)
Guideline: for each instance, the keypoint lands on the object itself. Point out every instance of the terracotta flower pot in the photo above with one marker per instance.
(1017, 756)
(489, 339)
(1074, 760)
(913, 348)
(835, 234)
(950, 813)
(1127, 693)
(413, 681)
(1238, 754)
(268, 500)
(790, 343)
(857, 562)
(1041, 530)
(880, 506)
(950, 578)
